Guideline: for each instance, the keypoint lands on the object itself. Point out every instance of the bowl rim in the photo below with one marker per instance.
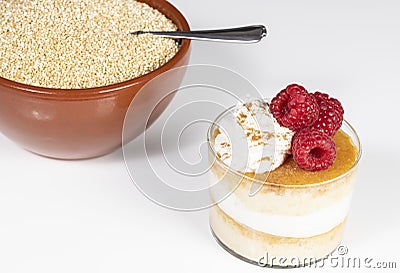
(184, 47)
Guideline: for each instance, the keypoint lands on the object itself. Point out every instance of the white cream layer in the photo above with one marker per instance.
(262, 141)
(303, 226)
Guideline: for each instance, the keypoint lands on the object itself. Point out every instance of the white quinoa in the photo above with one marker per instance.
(74, 44)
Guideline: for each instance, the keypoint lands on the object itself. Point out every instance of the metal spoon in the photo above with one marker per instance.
(247, 34)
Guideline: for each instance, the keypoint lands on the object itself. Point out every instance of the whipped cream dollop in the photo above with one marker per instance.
(256, 142)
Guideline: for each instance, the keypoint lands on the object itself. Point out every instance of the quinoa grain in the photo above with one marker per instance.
(74, 44)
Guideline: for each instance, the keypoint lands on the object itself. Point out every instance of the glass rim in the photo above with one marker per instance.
(214, 124)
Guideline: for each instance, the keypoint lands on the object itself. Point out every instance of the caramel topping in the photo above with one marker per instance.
(290, 174)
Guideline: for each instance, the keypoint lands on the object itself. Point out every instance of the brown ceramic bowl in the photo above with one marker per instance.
(83, 123)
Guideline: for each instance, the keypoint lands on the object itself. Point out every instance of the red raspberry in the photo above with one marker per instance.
(294, 108)
(313, 150)
(330, 116)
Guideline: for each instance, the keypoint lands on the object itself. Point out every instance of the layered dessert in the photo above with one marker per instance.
(285, 172)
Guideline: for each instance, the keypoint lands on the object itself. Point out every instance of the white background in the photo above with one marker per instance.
(87, 216)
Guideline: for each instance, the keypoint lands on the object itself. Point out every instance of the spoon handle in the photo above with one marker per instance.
(247, 34)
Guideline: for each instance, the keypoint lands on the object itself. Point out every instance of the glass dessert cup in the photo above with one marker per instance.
(282, 224)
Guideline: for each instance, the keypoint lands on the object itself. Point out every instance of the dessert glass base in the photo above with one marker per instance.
(231, 238)
(296, 218)
(261, 262)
